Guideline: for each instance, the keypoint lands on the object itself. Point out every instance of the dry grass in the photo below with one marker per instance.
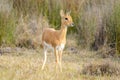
(29, 29)
(25, 64)
(103, 68)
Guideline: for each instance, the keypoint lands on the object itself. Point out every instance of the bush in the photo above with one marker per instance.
(92, 26)
(113, 28)
(105, 68)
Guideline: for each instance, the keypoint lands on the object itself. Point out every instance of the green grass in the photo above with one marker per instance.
(26, 65)
(7, 28)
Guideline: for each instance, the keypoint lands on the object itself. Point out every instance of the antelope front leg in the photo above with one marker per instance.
(57, 58)
(60, 60)
(45, 58)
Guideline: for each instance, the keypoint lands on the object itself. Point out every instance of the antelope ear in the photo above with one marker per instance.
(68, 13)
(62, 13)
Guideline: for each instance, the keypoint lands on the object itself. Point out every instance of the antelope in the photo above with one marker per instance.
(56, 39)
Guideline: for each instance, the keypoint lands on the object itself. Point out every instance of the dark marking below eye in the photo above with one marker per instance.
(66, 18)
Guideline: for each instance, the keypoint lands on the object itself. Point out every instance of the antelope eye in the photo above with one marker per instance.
(66, 18)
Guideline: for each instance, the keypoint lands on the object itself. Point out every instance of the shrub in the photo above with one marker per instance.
(105, 68)
(113, 28)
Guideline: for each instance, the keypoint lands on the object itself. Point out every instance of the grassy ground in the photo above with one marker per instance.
(26, 65)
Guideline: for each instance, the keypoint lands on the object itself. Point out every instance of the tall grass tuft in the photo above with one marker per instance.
(117, 26)
(7, 28)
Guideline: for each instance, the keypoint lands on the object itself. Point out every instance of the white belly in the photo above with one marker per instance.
(60, 47)
(50, 47)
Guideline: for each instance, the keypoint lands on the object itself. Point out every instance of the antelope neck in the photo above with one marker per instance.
(63, 31)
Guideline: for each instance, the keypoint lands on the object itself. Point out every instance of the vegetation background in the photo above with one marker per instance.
(97, 25)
